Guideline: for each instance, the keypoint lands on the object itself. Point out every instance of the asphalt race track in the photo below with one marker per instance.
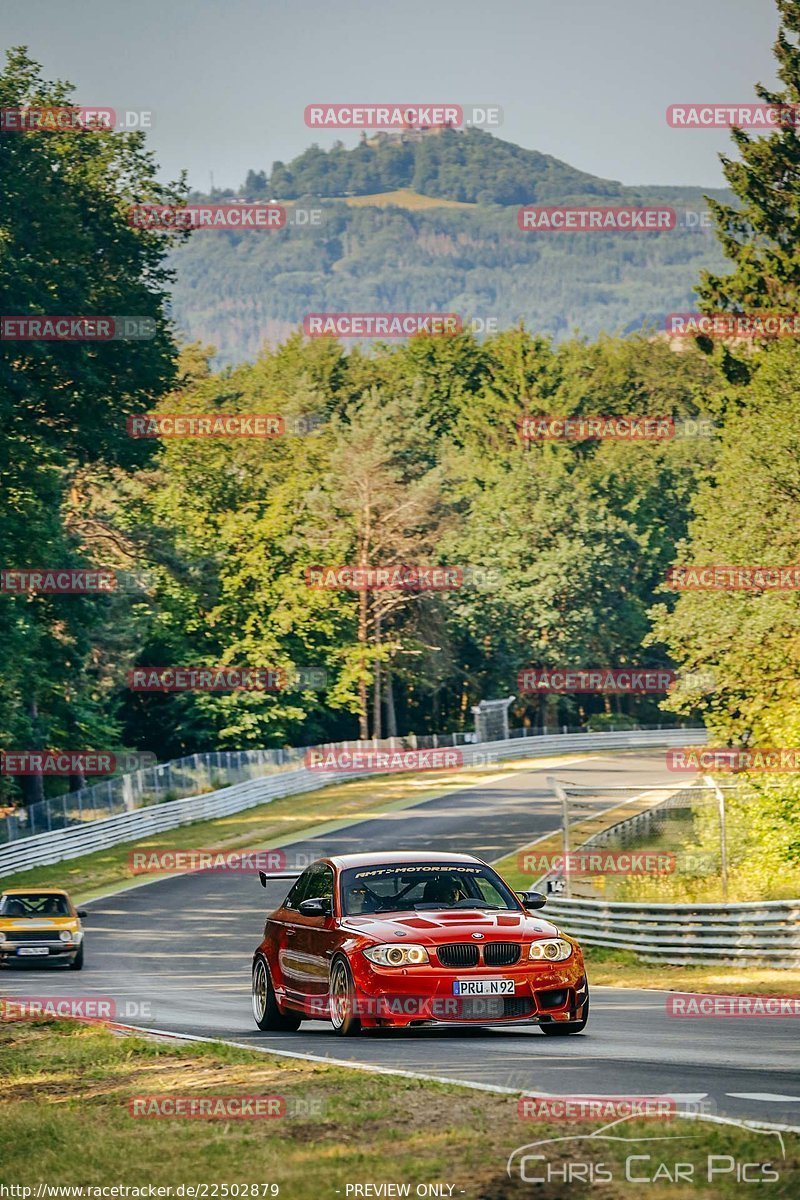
(178, 952)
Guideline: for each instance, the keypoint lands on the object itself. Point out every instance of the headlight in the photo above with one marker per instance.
(66, 936)
(551, 949)
(2, 937)
(397, 955)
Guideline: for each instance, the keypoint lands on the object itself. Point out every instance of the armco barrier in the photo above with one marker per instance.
(46, 848)
(765, 932)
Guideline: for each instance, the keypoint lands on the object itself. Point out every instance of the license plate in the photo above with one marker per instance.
(484, 987)
(31, 951)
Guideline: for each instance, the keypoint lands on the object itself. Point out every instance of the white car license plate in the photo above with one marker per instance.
(484, 987)
(32, 951)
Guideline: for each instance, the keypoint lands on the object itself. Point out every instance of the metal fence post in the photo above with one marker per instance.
(709, 781)
(564, 798)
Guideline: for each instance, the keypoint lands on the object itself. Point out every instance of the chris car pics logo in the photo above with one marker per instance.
(613, 1154)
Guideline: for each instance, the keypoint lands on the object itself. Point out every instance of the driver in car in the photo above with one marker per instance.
(360, 900)
(444, 890)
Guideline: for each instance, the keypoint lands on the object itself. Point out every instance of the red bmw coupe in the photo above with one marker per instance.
(372, 941)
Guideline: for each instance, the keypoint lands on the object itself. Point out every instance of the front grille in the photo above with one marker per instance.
(481, 1008)
(458, 954)
(501, 954)
(41, 935)
(517, 1006)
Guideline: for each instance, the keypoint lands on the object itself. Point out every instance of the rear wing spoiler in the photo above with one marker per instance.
(266, 876)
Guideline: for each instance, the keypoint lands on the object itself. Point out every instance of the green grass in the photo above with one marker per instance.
(403, 198)
(622, 968)
(65, 1120)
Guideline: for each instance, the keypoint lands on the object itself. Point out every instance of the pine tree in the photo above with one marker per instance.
(761, 236)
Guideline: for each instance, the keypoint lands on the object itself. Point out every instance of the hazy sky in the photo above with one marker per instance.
(585, 80)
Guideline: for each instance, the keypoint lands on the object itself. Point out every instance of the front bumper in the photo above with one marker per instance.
(10, 951)
(399, 997)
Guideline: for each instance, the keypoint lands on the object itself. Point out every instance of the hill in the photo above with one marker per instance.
(430, 224)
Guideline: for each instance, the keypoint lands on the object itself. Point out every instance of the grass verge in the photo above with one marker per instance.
(622, 968)
(66, 1120)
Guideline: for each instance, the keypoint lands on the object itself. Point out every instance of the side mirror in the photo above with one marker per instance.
(82, 912)
(320, 907)
(532, 899)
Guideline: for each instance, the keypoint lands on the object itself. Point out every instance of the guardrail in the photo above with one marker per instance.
(58, 845)
(687, 934)
(619, 832)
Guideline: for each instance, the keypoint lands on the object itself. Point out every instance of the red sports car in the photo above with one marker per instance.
(371, 941)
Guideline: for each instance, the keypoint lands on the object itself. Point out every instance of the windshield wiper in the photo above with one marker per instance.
(467, 903)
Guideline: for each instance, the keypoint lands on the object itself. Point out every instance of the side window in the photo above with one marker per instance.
(321, 887)
(299, 890)
(315, 883)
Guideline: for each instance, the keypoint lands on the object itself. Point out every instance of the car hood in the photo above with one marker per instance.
(432, 928)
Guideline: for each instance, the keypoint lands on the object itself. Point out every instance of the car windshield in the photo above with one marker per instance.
(423, 886)
(34, 905)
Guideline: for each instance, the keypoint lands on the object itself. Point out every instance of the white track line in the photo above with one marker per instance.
(374, 1069)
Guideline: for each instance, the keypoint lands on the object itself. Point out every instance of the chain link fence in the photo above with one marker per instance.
(653, 842)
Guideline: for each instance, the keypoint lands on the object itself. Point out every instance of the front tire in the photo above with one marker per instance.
(562, 1028)
(268, 1015)
(342, 992)
(77, 962)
